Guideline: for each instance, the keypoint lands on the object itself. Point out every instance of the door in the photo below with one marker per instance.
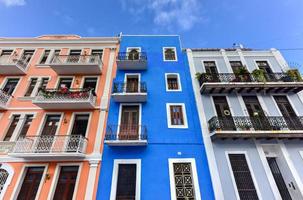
(211, 71)
(10, 85)
(129, 126)
(132, 84)
(269, 75)
(31, 183)
(74, 56)
(257, 117)
(223, 112)
(79, 129)
(133, 54)
(126, 183)
(239, 72)
(45, 141)
(292, 120)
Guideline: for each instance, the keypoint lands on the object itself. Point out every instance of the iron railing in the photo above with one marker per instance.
(3, 178)
(121, 87)
(66, 95)
(248, 77)
(132, 56)
(4, 98)
(20, 62)
(6, 146)
(51, 144)
(126, 132)
(255, 123)
(76, 59)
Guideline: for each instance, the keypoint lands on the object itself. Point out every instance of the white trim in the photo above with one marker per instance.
(133, 74)
(10, 171)
(56, 176)
(263, 105)
(174, 49)
(97, 83)
(115, 176)
(168, 115)
(22, 176)
(128, 49)
(301, 153)
(72, 121)
(58, 81)
(250, 169)
(178, 79)
(192, 161)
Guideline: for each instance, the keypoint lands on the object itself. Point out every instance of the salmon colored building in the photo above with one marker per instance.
(54, 99)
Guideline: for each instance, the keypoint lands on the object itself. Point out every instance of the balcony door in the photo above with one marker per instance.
(10, 85)
(266, 68)
(133, 54)
(129, 125)
(292, 120)
(74, 56)
(65, 83)
(132, 83)
(211, 71)
(223, 112)
(27, 55)
(256, 114)
(79, 129)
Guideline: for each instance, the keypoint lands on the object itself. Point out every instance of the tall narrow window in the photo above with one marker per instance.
(173, 82)
(27, 56)
(10, 85)
(12, 127)
(31, 183)
(66, 183)
(80, 124)
(170, 54)
(90, 82)
(43, 83)
(126, 185)
(184, 184)
(45, 56)
(96, 54)
(176, 116)
(26, 125)
(242, 176)
(31, 87)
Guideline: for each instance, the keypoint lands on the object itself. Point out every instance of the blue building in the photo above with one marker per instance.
(153, 143)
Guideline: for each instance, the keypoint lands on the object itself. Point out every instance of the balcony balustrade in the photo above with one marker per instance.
(249, 83)
(4, 99)
(126, 135)
(124, 92)
(65, 98)
(132, 61)
(14, 65)
(6, 146)
(76, 64)
(65, 146)
(256, 127)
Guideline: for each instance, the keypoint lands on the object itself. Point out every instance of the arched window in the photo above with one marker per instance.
(133, 54)
(3, 178)
(6, 174)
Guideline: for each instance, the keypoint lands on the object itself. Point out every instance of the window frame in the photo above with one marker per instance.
(192, 161)
(4, 82)
(57, 86)
(72, 121)
(178, 79)
(115, 176)
(83, 81)
(168, 115)
(43, 121)
(47, 58)
(163, 54)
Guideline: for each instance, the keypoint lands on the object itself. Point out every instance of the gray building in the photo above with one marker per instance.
(250, 110)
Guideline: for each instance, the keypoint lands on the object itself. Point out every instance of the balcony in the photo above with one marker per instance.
(50, 99)
(6, 146)
(13, 65)
(249, 83)
(4, 99)
(76, 64)
(273, 127)
(126, 135)
(52, 146)
(130, 61)
(123, 92)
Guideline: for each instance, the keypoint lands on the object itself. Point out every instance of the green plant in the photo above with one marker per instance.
(241, 71)
(294, 74)
(259, 75)
(198, 75)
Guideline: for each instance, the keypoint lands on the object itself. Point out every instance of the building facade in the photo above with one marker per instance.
(153, 143)
(54, 95)
(251, 113)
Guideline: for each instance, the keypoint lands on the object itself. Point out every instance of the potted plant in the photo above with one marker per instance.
(198, 75)
(259, 75)
(242, 74)
(294, 75)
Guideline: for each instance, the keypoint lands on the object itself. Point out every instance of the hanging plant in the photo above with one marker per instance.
(259, 75)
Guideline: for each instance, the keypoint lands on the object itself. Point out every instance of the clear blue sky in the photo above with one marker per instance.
(201, 23)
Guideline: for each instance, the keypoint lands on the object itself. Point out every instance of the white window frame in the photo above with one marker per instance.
(36, 88)
(97, 83)
(128, 49)
(192, 161)
(115, 176)
(59, 77)
(132, 74)
(209, 60)
(47, 59)
(43, 121)
(185, 125)
(22, 176)
(56, 177)
(178, 79)
(176, 55)
(250, 169)
(10, 171)
(72, 121)
(12, 77)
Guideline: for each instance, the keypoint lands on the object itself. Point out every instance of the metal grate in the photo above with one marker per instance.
(3, 178)
(184, 181)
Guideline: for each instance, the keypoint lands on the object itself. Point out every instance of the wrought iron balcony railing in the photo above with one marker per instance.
(64, 94)
(230, 77)
(20, 62)
(76, 59)
(132, 56)
(50, 144)
(243, 123)
(121, 87)
(126, 132)
(6, 146)
(4, 98)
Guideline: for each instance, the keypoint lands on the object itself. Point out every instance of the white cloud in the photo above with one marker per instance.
(169, 14)
(9, 3)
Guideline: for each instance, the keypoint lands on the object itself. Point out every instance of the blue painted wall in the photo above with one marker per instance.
(163, 142)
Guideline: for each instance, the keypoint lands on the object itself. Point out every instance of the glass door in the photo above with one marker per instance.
(223, 112)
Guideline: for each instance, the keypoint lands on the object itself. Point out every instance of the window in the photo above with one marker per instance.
(6, 175)
(264, 66)
(31, 87)
(45, 56)
(31, 182)
(133, 53)
(65, 82)
(80, 124)
(183, 179)
(176, 115)
(129, 122)
(90, 82)
(66, 183)
(169, 54)
(242, 177)
(27, 55)
(10, 85)
(26, 125)
(173, 82)
(96, 53)
(236, 65)
(3, 178)
(126, 180)
(210, 67)
(12, 127)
